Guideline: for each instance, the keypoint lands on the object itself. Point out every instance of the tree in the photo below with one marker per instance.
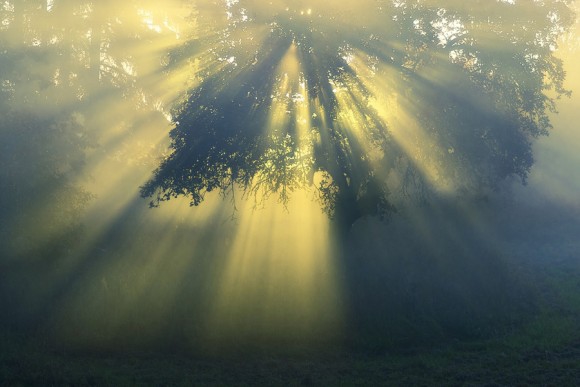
(62, 64)
(365, 103)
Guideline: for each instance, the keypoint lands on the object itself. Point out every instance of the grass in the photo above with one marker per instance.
(541, 350)
(480, 363)
(544, 351)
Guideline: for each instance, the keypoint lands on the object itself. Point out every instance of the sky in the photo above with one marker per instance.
(556, 173)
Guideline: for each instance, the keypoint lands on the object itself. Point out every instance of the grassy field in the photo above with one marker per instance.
(510, 362)
(545, 351)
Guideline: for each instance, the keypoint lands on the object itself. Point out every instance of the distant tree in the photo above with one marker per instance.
(40, 206)
(387, 98)
(63, 63)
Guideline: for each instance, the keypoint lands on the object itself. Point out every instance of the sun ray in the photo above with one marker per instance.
(334, 101)
(273, 287)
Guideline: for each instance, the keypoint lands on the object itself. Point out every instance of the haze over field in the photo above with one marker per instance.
(217, 175)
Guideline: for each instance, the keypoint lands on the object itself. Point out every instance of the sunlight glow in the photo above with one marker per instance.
(260, 264)
(245, 265)
(290, 98)
(396, 113)
(273, 287)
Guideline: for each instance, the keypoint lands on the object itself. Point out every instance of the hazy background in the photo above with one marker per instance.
(85, 262)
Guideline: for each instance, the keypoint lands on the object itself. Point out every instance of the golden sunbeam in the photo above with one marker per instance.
(280, 279)
(290, 101)
(204, 174)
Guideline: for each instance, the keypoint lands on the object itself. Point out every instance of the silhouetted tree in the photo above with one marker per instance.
(405, 97)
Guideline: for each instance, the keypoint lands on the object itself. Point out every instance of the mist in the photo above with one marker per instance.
(241, 178)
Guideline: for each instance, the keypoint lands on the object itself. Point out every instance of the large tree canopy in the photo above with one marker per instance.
(362, 100)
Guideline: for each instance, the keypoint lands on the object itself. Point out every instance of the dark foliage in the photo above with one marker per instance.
(473, 77)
